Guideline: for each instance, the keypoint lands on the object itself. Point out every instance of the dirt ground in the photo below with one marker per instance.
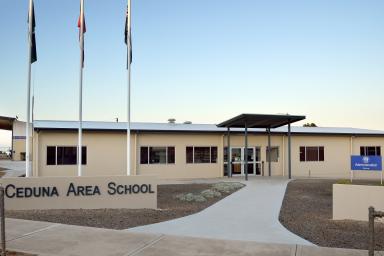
(168, 208)
(307, 212)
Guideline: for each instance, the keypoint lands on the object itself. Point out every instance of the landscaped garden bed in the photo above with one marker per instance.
(307, 212)
(174, 201)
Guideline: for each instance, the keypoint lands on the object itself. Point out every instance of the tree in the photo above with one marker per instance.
(310, 125)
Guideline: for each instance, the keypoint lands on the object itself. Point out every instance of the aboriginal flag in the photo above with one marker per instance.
(32, 37)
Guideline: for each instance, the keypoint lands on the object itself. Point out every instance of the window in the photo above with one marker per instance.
(225, 154)
(143, 155)
(311, 154)
(213, 154)
(274, 154)
(171, 155)
(370, 151)
(60, 155)
(51, 155)
(199, 155)
(157, 155)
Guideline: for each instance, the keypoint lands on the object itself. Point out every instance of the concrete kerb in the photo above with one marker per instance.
(45, 239)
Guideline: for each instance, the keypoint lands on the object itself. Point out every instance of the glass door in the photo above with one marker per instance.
(251, 161)
(237, 156)
(257, 161)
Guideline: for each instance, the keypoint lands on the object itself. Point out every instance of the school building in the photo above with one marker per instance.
(259, 145)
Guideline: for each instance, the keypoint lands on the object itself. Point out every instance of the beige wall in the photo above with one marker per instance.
(181, 169)
(357, 142)
(352, 201)
(18, 143)
(106, 154)
(337, 156)
(18, 148)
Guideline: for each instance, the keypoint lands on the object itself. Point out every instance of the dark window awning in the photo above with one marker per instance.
(260, 121)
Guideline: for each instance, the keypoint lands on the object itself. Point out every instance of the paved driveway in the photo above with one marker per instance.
(51, 239)
(13, 168)
(251, 214)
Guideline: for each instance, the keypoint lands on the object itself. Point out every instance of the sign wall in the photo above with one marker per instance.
(96, 192)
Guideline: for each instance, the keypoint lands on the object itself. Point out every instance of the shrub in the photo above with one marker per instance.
(210, 193)
(227, 187)
(343, 181)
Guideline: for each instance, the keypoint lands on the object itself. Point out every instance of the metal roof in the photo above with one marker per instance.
(6, 123)
(178, 127)
(260, 121)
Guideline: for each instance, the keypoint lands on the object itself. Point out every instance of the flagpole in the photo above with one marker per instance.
(27, 139)
(32, 125)
(129, 89)
(79, 147)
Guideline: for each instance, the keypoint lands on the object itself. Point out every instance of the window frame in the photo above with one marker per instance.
(210, 154)
(166, 155)
(365, 149)
(267, 152)
(67, 146)
(319, 159)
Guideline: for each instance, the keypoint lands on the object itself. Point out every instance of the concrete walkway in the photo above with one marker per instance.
(250, 214)
(13, 168)
(48, 239)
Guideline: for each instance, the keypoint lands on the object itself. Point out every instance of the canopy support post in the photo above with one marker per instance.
(246, 151)
(229, 153)
(289, 151)
(269, 151)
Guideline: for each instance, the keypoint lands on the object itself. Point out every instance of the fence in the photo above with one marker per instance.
(372, 215)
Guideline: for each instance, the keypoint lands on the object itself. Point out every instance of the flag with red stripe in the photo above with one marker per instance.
(81, 23)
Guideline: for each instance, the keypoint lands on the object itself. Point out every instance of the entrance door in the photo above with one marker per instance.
(250, 169)
(258, 161)
(237, 157)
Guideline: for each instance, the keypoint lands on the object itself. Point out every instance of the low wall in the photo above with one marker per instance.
(352, 201)
(96, 192)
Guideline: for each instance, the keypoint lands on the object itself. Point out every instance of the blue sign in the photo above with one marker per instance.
(366, 163)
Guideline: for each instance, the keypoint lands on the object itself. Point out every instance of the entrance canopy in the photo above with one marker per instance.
(260, 121)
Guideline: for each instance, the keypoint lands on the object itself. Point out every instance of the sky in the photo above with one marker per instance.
(198, 60)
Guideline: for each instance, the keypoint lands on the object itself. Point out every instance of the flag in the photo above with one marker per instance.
(81, 21)
(127, 35)
(32, 37)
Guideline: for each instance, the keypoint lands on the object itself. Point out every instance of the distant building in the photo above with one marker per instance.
(18, 136)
